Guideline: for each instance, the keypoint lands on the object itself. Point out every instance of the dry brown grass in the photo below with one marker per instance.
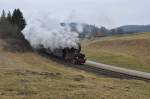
(131, 51)
(30, 76)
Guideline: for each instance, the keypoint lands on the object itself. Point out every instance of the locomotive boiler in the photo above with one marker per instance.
(69, 55)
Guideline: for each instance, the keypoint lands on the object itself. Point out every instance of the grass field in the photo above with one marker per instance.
(129, 51)
(30, 76)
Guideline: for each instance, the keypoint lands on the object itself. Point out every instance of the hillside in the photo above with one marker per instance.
(129, 29)
(135, 28)
(129, 51)
(28, 75)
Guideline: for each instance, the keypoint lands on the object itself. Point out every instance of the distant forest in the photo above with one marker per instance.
(90, 31)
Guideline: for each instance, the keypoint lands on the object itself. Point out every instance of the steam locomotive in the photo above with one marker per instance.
(70, 55)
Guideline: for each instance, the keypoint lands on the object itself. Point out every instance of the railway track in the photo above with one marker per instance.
(103, 70)
(118, 72)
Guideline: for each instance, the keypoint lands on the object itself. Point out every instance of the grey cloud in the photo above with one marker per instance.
(109, 13)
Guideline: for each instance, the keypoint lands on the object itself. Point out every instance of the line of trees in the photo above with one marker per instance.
(11, 24)
(16, 18)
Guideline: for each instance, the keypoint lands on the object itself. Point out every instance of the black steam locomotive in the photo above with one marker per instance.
(70, 55)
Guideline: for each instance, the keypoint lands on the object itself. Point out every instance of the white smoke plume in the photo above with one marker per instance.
(48, 33)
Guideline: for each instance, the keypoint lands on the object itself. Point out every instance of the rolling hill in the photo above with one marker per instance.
(129, 51)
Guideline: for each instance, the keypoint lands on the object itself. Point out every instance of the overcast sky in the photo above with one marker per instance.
(108, 13)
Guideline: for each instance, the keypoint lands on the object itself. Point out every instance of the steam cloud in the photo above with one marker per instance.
(48, 33)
